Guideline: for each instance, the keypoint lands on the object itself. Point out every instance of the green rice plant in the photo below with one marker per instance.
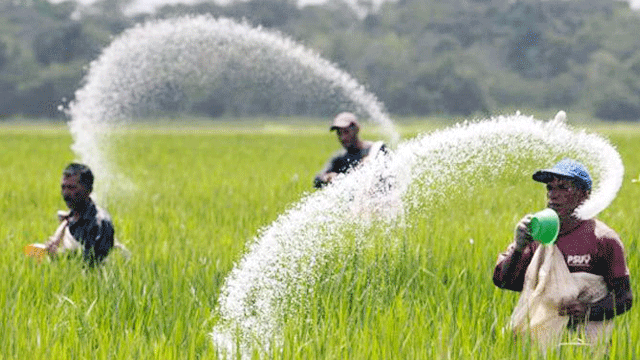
(202, 192)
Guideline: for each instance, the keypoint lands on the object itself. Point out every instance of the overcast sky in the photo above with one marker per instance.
(149, 5)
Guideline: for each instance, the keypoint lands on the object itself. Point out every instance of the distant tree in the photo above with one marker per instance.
(461, 94)
(561, 91)
(633, 66)
(609, 90)
(112, 8)
(419, 57)
(267, 13)
(64, 43)
(441, 89)
(7, 99)
(4, 54)
(617, 104)
(525, 53)
(556, 55)
(109, 15)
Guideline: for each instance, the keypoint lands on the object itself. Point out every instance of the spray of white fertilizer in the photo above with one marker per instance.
(281, 266)
(167, 62)
(163, 61)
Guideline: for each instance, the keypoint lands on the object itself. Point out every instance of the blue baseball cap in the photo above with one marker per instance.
(568, 169)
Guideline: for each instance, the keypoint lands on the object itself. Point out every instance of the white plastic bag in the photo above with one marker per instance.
(547, 284)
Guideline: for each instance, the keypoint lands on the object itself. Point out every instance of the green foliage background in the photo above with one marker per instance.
(462, 57)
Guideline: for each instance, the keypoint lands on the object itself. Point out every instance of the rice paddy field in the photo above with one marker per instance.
(201, 193)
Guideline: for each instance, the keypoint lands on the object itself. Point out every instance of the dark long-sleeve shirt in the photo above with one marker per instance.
(344, 161)
(94, 230)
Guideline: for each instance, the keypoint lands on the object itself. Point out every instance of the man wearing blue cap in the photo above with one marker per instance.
(588, 245)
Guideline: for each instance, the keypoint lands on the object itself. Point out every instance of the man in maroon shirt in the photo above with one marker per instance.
(587, 245)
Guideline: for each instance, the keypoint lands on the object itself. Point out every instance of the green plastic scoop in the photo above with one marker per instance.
(544, 226)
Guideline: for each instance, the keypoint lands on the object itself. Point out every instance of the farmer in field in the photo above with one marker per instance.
(355, 150)
(85, 227)
(587, 246)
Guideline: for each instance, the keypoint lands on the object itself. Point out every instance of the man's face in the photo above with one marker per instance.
(347, 136)
(73, 192)
(564, 197)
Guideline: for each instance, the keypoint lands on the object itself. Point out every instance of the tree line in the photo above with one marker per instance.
(419, 57)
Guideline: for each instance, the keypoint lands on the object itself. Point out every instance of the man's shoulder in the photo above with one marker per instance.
(102, 216)
(605, 234)
(593, 232)
(373, 147)
(339, 154)
(603, 230)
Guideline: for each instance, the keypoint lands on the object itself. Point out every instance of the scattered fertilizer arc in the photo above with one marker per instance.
(282, 264)
(155, 64)
(133, 74)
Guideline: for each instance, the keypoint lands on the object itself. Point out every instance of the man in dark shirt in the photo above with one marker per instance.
(355, 150)
(90, 227)
(586, 245)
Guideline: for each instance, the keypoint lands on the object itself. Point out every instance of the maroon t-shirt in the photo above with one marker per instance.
(592, 247)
